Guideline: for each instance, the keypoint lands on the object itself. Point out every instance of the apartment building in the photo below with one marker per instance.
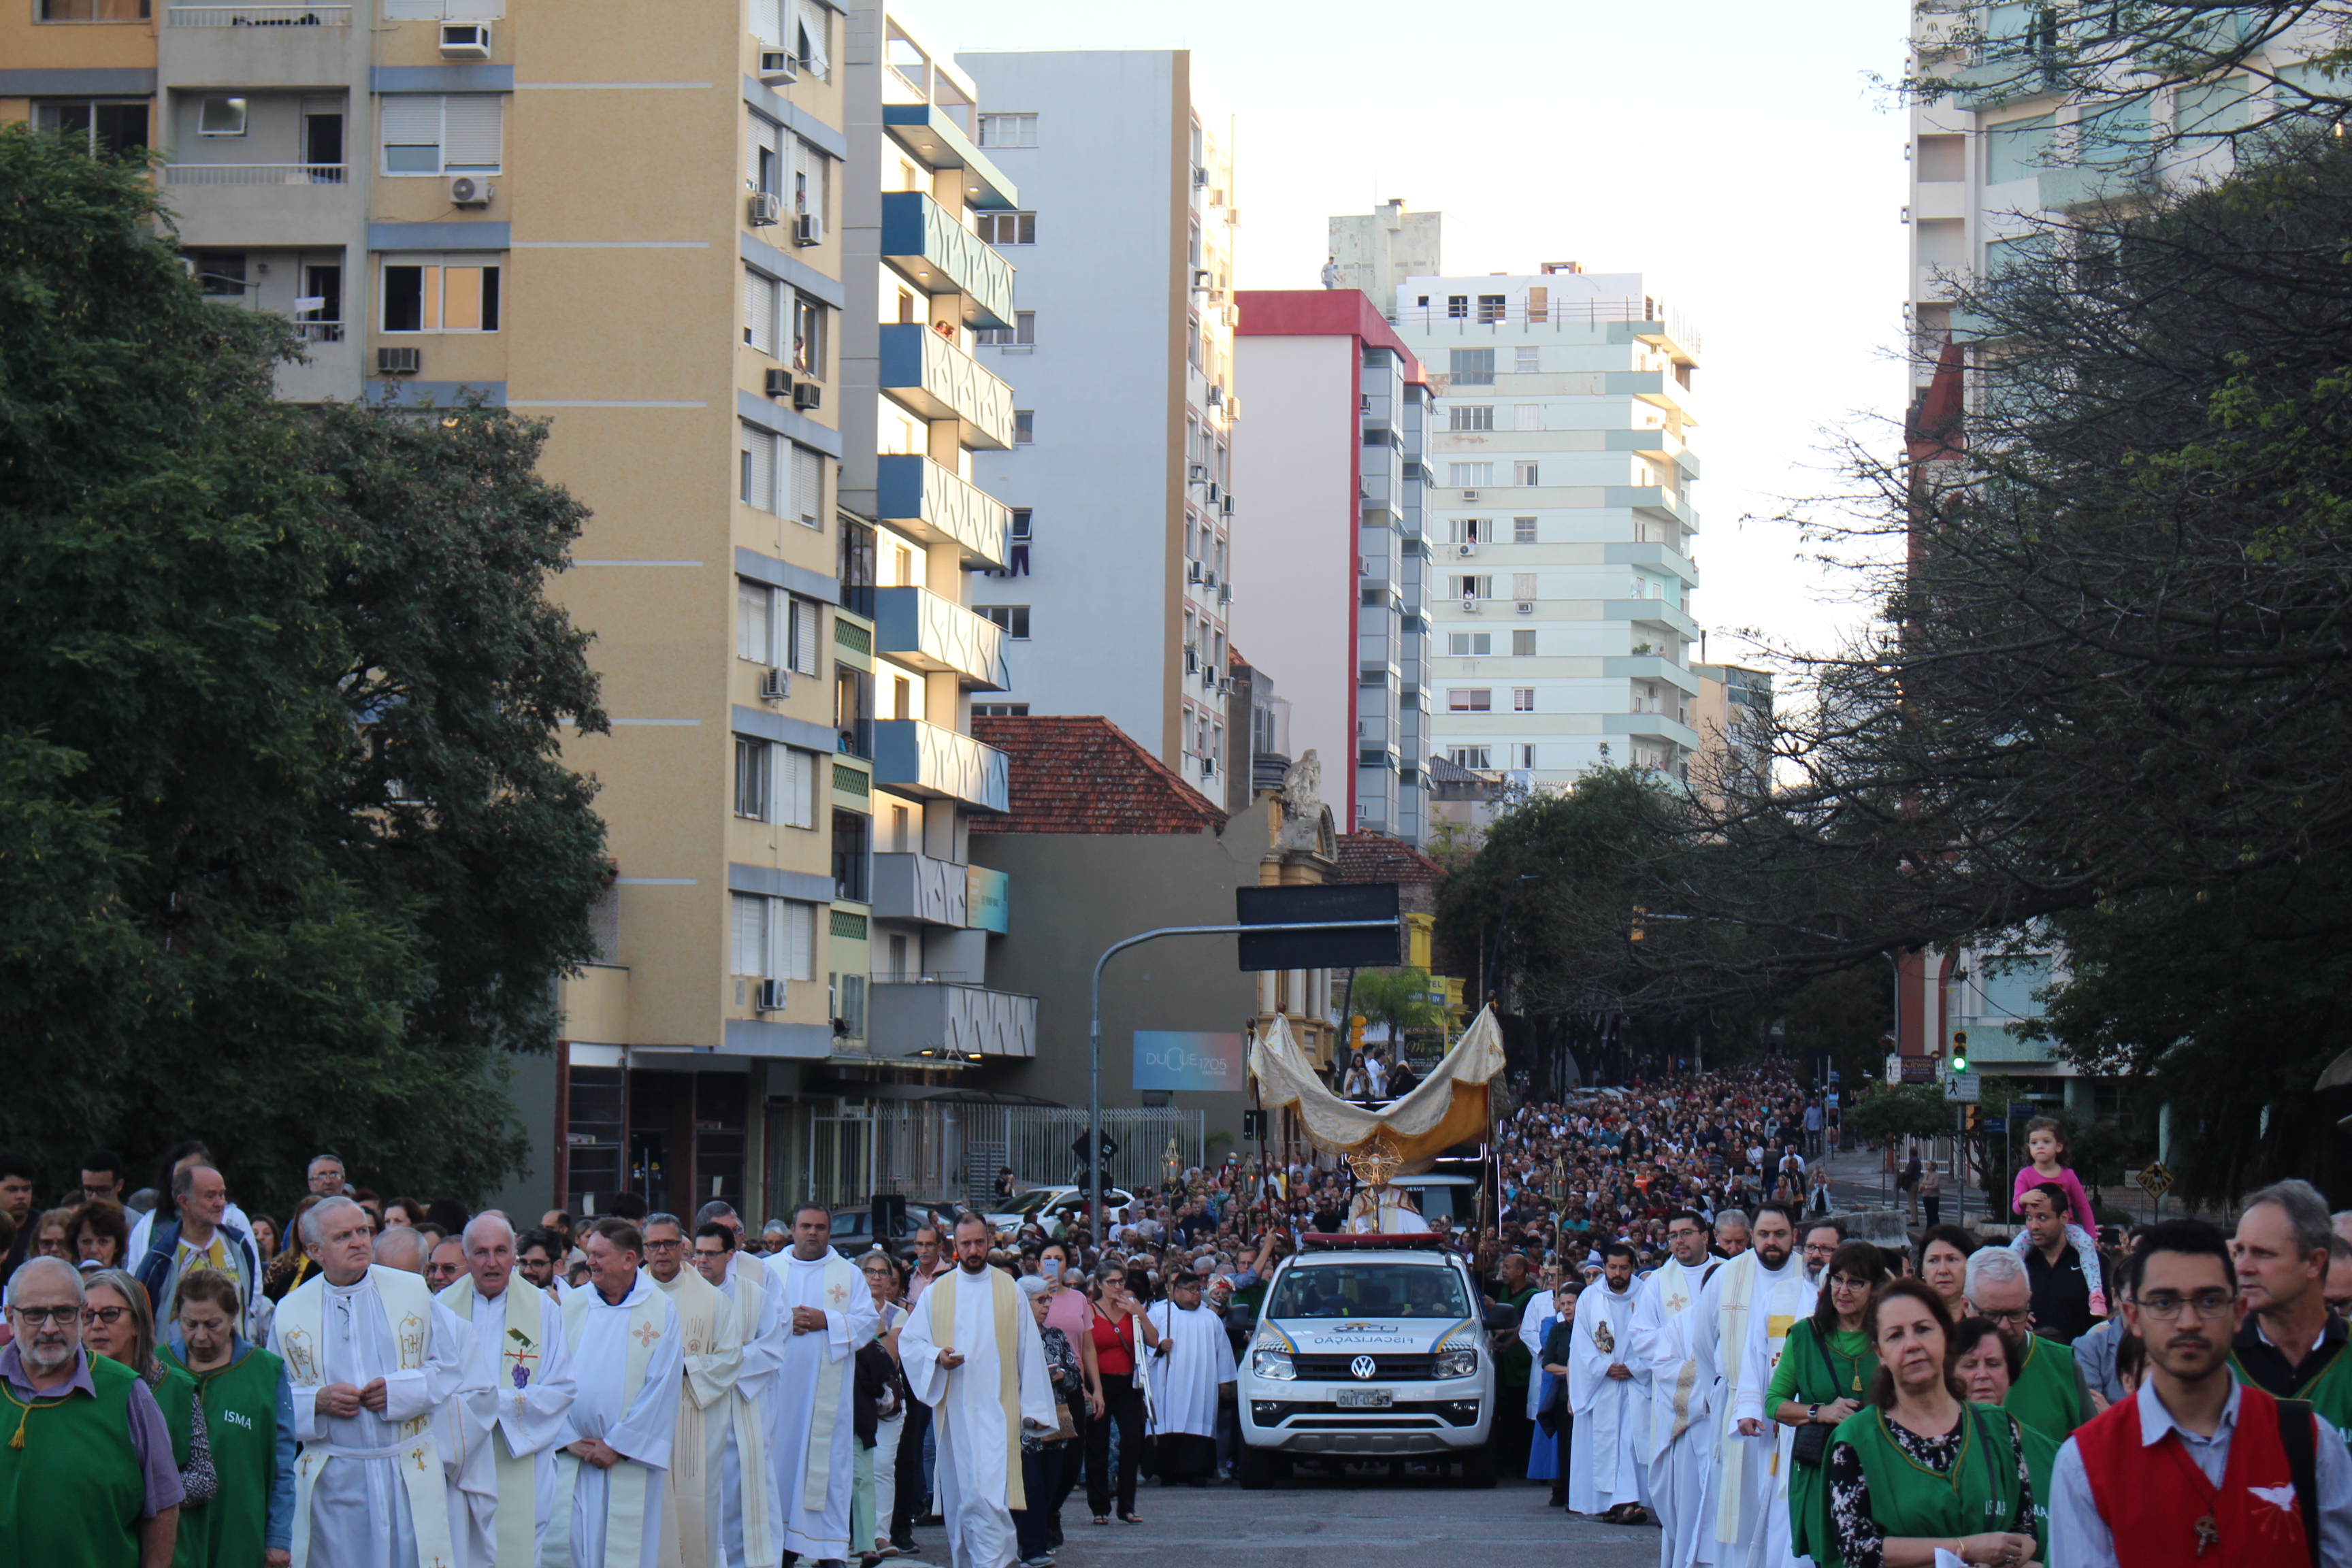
(1119, 477)
(640, 231)
(1331, 464)
(1732, 712)
(1561, 521)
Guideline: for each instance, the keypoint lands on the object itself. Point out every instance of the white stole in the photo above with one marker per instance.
(625, 1508)
(519, 1359)
(1738, 1280)
(1006, 1300)
(408, 1312)
(841, 1279)
(746, 1289)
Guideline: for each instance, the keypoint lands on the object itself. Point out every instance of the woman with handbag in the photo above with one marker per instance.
(885, 1283)
(1920, 1472)
(1823, 1376)
(1043, 1452)
(1117, 1320)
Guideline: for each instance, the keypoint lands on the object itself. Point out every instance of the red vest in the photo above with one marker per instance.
(2151, 1499)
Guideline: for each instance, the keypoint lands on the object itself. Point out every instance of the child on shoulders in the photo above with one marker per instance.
(2045, 1147)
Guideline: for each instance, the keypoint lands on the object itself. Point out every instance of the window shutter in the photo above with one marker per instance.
(760, 311)
(815, 22)
(768, 22)
(805, 637)
(760, 471)
(798, 931)
(752, 639)
(1523, 584)
(412, 120)
(474, 121)
(797, 780)
(808, 487)
(750, 934)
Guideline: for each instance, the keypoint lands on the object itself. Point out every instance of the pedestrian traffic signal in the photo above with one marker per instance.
(1960, 1050)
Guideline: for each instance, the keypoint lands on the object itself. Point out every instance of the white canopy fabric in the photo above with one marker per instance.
(1446, 1108)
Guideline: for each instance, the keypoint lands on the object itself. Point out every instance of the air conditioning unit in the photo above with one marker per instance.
(808, 229)
(470, 191)
(1216, 397)
(776, 685)
(1224, 593)
(1200, 277)
(1192, 571)
(768, 995)
(1469, 495)
(1526, 606)
(1229, 503)
(780, 384)
(1197, 472)
(465, 40)
(777, 67)
(808, 394)
(1201, 176)
(766, 208)
(1210, 580)
(396, 362)
(1465, 549)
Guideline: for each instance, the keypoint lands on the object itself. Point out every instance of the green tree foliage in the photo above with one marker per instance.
(1398, 998)
(1844, 1016)
(1900, 1111)
(230, 623)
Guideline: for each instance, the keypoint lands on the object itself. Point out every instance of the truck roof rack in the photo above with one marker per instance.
(1374, 1241)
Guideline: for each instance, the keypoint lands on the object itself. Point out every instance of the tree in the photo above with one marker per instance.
(229, 619)
(1900, 1111)
(1398, 998)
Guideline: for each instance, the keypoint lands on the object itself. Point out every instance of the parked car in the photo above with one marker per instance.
(852, 1229)
(1051, 1208)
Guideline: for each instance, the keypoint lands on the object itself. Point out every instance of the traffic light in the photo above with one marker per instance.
(1356, 1033)
(1968, 1118)
(1960, 1050)
(1639, 914)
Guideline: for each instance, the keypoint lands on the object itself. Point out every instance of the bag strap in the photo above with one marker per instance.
(2296, 1435)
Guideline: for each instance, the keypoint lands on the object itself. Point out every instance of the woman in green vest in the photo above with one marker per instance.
(118, 1324)
(1823, 1376)
(248, 1407)
(1920, 1469)
(1987, 1368)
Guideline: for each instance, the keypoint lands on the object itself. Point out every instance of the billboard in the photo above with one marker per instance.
(1176, 1058)
(987, 899)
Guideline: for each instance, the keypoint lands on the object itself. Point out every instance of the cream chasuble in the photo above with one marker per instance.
(752, 1529)
(698, 1457)
(1782, 1302)
(517, 1394)
(981, 1403)
(627, 1357)
(813, 1450)
(1666, 1325)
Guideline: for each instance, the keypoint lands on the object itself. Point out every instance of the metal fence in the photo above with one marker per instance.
(843, 1153)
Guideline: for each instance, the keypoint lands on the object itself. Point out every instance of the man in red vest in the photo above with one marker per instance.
(2198, 1468)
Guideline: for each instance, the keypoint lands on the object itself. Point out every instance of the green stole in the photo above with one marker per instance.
(1824, 1375)
(1979, 1493)
(517, 1535)
(2045, 1394)
(241, 1423)
(2041, 1462)
(71, 1488)
(2329, 1393)
(176, 1396)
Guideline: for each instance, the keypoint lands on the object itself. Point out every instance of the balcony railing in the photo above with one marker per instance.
(254, 173)
(917, 888)
(939, 380)
(920, 497)
(259, 16)
(923, 240)
(924, 760)
(917, 627)
(909, 1018)
(1558, 316)
(320, 331)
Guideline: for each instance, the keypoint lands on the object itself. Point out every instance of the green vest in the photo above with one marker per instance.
(241, 1424)
(2041, 1462)
(2329, 1393)
(1824, 1375)
(1512, 1362)
(176, 1396)
(71, 1497)
(1979, 1493)
(2048, 1394)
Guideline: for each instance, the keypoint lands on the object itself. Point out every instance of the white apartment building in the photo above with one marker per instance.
(1116, 593)
(1560, 521)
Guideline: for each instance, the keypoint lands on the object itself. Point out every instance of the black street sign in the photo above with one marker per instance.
(1109, 1146)
(1375, 947)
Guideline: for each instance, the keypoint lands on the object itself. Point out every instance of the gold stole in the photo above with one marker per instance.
(689, 1525)
(301, 1338)
(518, 1474)
(1006, 1300)
(841, 1277)
(624, 1483)
(1731, 1332)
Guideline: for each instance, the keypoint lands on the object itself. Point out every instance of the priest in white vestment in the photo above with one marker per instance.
(694, 1495)
(812, 1450)
(1191, 1364)
(516, 1396)
(1665, 1359)
(1606, 1448)
(1783, 1296)
(372, 1359)
(627, 1357)
(972, 1353)
(469, 1482)
(752, 1528)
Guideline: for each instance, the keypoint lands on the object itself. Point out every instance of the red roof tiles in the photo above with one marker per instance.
(1377, 857)
(1088, 775)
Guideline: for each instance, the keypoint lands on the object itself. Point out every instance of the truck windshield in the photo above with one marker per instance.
(1369, 1289)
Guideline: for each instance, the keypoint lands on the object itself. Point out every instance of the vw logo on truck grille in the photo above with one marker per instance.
(1363, 1366)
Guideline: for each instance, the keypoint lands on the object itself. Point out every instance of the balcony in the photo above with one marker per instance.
(937, 142)
(259, 16)
(918, 887)
(914, 1019)
(923, 240)
(927, 501)
(939, 381)
(918, 627)
(923, 760)
(259, 45)
(1652, 612)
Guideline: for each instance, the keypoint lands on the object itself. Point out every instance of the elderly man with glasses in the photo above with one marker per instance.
(2049, 1393)
(87, 1475)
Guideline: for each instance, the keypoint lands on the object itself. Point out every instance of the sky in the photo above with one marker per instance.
(1739, 154)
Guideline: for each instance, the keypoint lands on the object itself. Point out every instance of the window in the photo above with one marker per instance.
(1473, 587)
(780, 477)
(1469, 530)
(1523, 755)
(1523, 644)
(1008, 229)
(1523, 530)
(808, 336)
(796, 776)
(811, 171)
(219, 273)
(813, 43)
(1022, 333)
(94, 10)
(755, 621)
(102, 127)
(221, 116)
(1013, 618)
(1476, 758)
(1008, 130)
(1529, 416)
(773, 939)
(1471, 367)
(1526, 473)
(1021, 515)
(1479, 416)
(1000, 709)
(1469, 700)
(1024, 426)
(1469, 476)
(440, 294)
(1527, 359)
(760, 311)
(1469, 644)
(1490, 308)
(2018, 150)
(1523, 585)
(1523, 698)
(753, 783)
(801, 629)
(1457, 307)
(436, 133)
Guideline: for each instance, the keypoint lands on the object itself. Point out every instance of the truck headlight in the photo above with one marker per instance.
(1275, 1364)
(1457, 1364)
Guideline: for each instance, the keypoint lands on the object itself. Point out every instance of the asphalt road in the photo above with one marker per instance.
(1365, 1521)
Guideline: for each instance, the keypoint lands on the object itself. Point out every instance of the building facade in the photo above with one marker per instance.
(1330, 463)
(1120, 471)
(1733, 715)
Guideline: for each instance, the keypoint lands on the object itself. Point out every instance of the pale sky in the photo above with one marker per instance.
(1736, 153)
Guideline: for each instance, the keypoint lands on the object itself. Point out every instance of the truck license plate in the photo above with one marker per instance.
(1366, 1399)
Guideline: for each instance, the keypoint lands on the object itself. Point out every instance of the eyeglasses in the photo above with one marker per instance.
(2164, 1307)
(1847, 1282)
(2021, 1316)
(61, 1316)
(663, 1246)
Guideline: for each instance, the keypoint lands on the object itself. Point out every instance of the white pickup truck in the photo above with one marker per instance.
(1370, 1347)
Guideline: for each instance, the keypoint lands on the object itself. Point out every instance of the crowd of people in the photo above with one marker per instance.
(1688, 1339)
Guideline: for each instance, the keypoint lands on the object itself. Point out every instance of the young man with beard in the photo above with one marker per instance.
(1757, 1515)
(1606, 1444)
